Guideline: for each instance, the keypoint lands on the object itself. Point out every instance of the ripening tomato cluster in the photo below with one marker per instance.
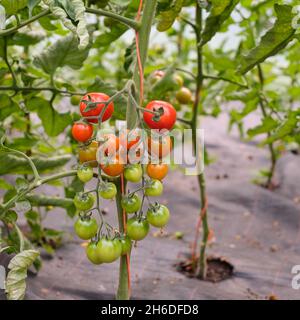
(106, 247)
(183, 95)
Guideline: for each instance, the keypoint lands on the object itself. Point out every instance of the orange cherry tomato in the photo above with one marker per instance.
(160, 146)
(114, 168)
(110, 144)
(88, 154)
(157, 171)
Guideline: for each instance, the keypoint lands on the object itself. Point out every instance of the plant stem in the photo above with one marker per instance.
(201, 178)
(144, 34)
(23, 24)
(123, 292)
(131, 117)
(270, 145)
(128, 22)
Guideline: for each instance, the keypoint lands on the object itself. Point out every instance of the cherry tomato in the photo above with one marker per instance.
(82, 132)
(126, 244)
(109, 250)
(88, 154)
(110, 144)
(165, 121)
(133, 173)
(92, 253)
(114, 168)
(158, 215)
(86, 228)
(75, 100)
(154, 188)
(85, 173)
(96, 97)
(108, 190)
(137, 229)
(178, 79)
(157, 171)
(156, 76)
(131, 203)
(184, 95)
(129, 138)
(160, 146)
(84, 201)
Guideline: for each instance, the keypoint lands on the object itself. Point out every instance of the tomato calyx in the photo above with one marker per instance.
(91, 105)
(157, 114)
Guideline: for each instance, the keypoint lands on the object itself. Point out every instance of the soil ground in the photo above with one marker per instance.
(257, 230)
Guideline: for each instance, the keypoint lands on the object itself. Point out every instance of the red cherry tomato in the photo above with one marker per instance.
(82, 131)
(166, 120)
(96, 97)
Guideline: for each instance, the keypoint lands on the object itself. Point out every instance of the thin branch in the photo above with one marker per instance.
(24, 23)
(218, 78)
(129, 22)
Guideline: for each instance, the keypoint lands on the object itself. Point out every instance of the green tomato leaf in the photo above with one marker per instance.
(64, 52)
(276, 39)
(15, 282)
(286, 128)
(53, 122)
(220, 12)
(167, 17)
(31, 5)
(267, 125)
(13, 6)
(5, 185)
(11, 163)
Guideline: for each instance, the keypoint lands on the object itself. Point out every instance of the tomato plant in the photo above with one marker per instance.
(56, 53)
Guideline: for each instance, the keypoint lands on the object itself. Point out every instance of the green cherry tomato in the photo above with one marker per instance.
(75, 100)
(85, 173)
(92, 253)
(108, 190)
(154, 188)
(86, 228)
(126, 245)
(137, 229)
(158, 215)
(109, 250)
(133, 173)
(131, 203)
(84, 202)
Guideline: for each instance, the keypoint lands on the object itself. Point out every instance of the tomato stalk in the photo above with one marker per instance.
(132, 117)
(269, 183)
(201, 265)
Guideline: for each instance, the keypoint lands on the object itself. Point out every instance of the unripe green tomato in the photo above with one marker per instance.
(84, 202)
(75, 100)
(137, 229)
(109, 250)
(108, 190)
(126, 245)
(154, 188)
(158, 215)
(133, 173)
(184, 95)
(92, 253)
(86, 228)
(85, 173)
(131, 203)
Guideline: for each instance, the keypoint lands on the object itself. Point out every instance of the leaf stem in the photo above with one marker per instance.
(24, 23)
(128, 22)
